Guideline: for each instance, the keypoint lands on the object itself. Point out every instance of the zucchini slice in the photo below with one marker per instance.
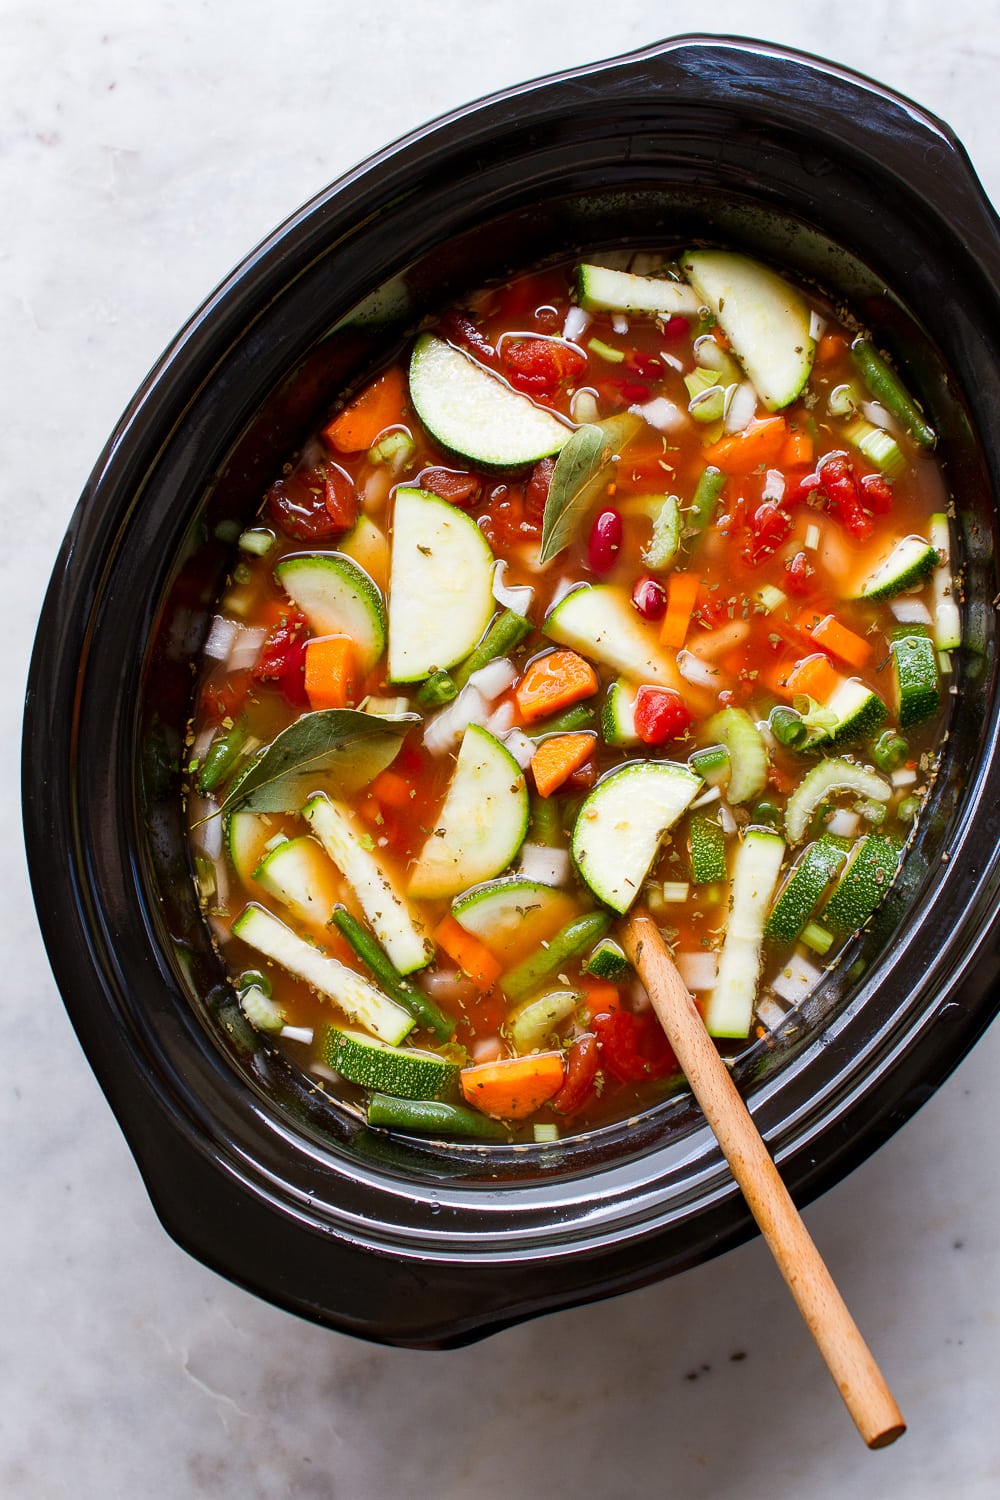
(829, 779)
(947, 616)
(393, 921)
(404, 1072)
(867, 876)
(359, 1000)
(598, 621)
(764, 318)
(909, 563)
(297, 873)
(914, 675)
(247, 833)
(440, 585)
(337, 598)
(734, 729)
(600, 289)
(729, 1008)
(802, 891)
(482, 824)
(474, 413)
(620, 825)
(513, 916)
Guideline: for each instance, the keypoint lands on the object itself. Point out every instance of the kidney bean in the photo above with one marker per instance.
(650, 598)
(605, 541)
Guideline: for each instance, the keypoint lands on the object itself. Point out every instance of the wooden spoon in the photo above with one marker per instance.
(848, 1358)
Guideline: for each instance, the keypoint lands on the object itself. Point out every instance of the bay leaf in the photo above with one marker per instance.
(582, 470)
(343, 745)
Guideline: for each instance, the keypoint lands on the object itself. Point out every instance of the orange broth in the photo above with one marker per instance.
(769, 538)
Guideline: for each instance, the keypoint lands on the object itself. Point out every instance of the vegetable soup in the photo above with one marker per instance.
(629, 583)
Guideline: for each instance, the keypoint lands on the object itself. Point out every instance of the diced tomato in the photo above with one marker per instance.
(877, 494)
(633, 1047)
(222, 700)
(660, 715)
(646, 366)
(540, 366)
(582, 1062)
(675, 328)
(536, 491)
(505, 520)
(620, 393)
(582, 779)
(282, 659)
(769, 525)
(459, 329)
(459, 489)
(312, 503)
(799, 574)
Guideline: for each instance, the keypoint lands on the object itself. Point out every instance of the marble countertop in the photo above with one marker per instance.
(143, 150)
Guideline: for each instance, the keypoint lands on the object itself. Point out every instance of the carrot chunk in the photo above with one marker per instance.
(330, 673)
(682, 596)
(813, 677)
(363, 419)
(557, 758)
(831, 636)
(554, 682)
(601, 996)
(760, 443)
(513, 1087)
(830, 347)
(473, 958)
(392, 790)
(798, 450)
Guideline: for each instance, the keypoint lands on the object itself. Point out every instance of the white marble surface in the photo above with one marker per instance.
(143, 149)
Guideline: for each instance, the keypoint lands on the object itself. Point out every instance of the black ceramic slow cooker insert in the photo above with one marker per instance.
(422, 1243)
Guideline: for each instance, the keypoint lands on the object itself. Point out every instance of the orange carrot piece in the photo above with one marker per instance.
(682, 596)
(513, 1087)
(600, 995)
(473, 958)
(829, 348)
(557, 758)
(814, 677)
(760, 443)
(363, 419)
(554, 682)
(330, 671)
(831, 636)
(392, 790)
(798, 450)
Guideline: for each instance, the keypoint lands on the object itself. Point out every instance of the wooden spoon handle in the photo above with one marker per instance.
(848, 1358)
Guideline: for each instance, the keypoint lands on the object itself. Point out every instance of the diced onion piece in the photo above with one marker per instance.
(578, 320)
(443, 732)
(812, 537)
(905, 776)
(911, 611)
(220, 638)
(816, 326)
(877, 415)
(676, 891)
(699, 673)
(519, 745)
(501, 719)
(843, 823)
(583, 407)
(619, 323)
(672, 361)
(200, 747)
(742, 408)
(297, 1034)
(246, 647)
(516, 596)
(770, 1013)
(547, 866)
(495, 678)
(660, 413)
(774, 485)
(796, 979)
(726, 818)
(699, 969)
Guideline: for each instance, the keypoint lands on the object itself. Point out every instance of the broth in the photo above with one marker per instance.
(710, 674)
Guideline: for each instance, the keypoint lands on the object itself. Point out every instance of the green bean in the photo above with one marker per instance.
(507, 631)
(704, 500)
(222, 757)
(546, 821)
(439, 688)
(788, 727)
(769, 813)
(567, 943)
(890, 751)
(381, 965)
(886, 386)
(577, 717)
(433, 1116)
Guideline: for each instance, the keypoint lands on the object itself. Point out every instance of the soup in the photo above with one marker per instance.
(629, 582)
